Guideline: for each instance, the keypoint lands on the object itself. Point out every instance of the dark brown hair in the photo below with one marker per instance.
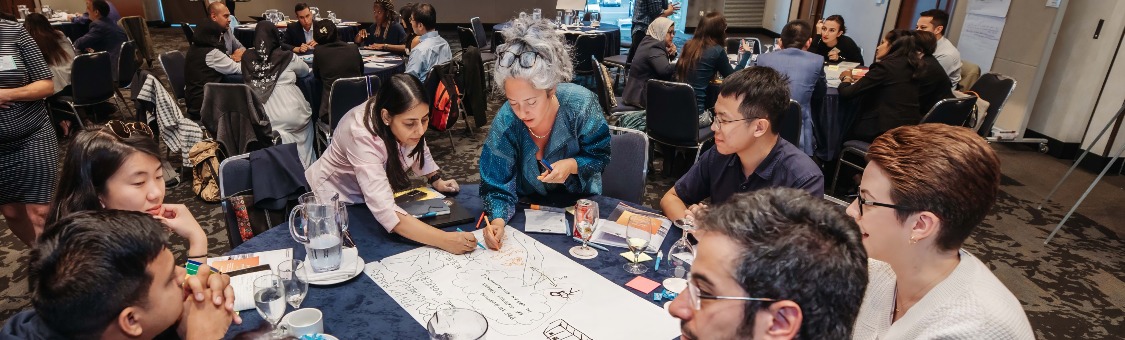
(711, 31)
(927, 42)
(400, 93)
(902, 45)
(949, 171)
(839, 20)
(47, 38)
(91, 159)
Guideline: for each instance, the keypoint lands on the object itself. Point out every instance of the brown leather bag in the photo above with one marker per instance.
(206, 156)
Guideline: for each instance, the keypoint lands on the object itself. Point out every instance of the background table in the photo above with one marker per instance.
(360, 309)
(611, 31)
(70, 29)
(245, 35)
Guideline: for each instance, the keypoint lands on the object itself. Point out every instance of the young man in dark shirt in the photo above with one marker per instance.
(748, 155)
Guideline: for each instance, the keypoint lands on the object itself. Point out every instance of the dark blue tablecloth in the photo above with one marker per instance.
(245, 36)
(833, 122)
(611, 31)
(360, 309)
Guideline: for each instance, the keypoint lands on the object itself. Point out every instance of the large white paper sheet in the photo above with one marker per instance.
(526, 290)
(979, 38)
(996, 8)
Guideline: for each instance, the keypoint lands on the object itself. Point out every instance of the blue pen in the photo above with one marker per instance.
(478, 242)
(591, 244)
(545, 165)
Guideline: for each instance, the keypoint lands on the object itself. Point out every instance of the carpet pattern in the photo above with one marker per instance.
(1072, 288)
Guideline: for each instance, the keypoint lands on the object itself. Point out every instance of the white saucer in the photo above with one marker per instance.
(358, 270)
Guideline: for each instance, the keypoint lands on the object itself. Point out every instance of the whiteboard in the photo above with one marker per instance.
(526, 290)
(979, 38)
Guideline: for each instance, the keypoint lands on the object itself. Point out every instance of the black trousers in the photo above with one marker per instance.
(637, 37)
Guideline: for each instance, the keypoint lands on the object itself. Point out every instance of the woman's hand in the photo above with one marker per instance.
(820, 26)
(672, 51)
(444, 186)
(494, 234)
(179, 220)
(834, 55)
(360, 36)
(458, 243)
(562, 170)
(846, 76)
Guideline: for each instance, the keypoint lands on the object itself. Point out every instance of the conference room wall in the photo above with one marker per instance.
(449, 11)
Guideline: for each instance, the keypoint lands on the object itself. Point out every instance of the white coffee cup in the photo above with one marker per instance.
(303, 321)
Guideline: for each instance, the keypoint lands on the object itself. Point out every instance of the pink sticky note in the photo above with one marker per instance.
(643, 284)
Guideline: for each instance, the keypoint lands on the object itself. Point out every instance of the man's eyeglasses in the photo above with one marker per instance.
(863, 202)
(715, 121)
(526, 58)
(696, 298)
(124, 130)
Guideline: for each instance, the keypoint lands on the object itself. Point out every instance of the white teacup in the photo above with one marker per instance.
(303, 321)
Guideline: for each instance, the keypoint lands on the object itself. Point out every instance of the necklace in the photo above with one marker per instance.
(535, 135)
(928, 285)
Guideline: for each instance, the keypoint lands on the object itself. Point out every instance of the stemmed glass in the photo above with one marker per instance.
(637, 235)
(682, 249)
(269, 299)
(585, 222)
(296, 279)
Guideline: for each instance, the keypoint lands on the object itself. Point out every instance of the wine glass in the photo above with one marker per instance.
(296, 278)
(269, 299)
(585, 222)
(637, 235)
(682, 250)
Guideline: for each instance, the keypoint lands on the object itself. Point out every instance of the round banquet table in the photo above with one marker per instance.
(360, 309)
(611, 31)
(245, 32)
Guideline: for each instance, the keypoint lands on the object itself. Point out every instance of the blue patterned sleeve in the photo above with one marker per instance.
(498, 167)
(593, 143)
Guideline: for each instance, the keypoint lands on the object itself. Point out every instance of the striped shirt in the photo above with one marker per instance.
(21, 63)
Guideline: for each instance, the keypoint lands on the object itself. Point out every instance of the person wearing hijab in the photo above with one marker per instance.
(271, 72)
(653, 60)
(333, 59)
(206, 62)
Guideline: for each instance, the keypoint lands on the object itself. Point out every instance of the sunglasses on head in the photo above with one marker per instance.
(126, 129)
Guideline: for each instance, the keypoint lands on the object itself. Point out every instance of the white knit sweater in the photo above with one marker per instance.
(969, 304)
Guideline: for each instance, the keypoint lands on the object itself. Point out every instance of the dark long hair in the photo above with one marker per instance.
(839, 20)
(904, 45)
(46, 38)
(91, 159)
(711, 31)
(400, 93)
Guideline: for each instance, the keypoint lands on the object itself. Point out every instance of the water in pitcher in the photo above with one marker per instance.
(324, 253)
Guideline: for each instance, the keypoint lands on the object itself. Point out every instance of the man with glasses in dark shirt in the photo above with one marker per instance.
(774, 264)
(748, 155)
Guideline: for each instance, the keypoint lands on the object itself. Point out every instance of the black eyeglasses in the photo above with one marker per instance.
(863, 202)
(526, 58)
(124, 130)
(719, 123)
(696, 298)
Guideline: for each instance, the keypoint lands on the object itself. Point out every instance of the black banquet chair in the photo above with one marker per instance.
(91, 78)
(673, 121)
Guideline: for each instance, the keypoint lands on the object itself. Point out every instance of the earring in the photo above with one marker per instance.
(912, 240)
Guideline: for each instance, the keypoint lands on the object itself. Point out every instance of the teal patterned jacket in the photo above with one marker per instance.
(508, 168)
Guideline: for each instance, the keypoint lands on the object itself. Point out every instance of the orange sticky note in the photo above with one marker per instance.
(653, 226)
(233, 265)
(643, 284)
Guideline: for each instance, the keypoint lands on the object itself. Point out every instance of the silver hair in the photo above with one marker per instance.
(551, 67)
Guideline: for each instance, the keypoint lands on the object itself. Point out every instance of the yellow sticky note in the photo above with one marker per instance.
(833, 67)
(643, 257)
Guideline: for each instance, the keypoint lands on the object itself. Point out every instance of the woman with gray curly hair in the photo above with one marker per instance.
(549, 138)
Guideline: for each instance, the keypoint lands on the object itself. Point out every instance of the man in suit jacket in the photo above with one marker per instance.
(84, 18)
(104, 35)
(805, 71)
(299, 35)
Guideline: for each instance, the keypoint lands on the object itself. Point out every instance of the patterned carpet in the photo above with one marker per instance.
(1070, 289)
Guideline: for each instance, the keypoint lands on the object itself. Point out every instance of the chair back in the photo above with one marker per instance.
(995, 89)
(137, 30)
(91, 78)
(126, 63)
(173, 64)
(600, 86)
(969, 74)
(951, 111)
(465, 35)
(234, 177)
(586, 47)
(478, 33)
(790, 126)
(672, 118)
(189, 33)
(347, 93)
(624, 176)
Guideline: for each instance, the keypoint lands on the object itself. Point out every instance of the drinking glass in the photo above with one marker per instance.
(585, 222)
(457, 323)
(682, 249)
(537, 14)
(269, 299)
(296, 278)
(637, 236)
